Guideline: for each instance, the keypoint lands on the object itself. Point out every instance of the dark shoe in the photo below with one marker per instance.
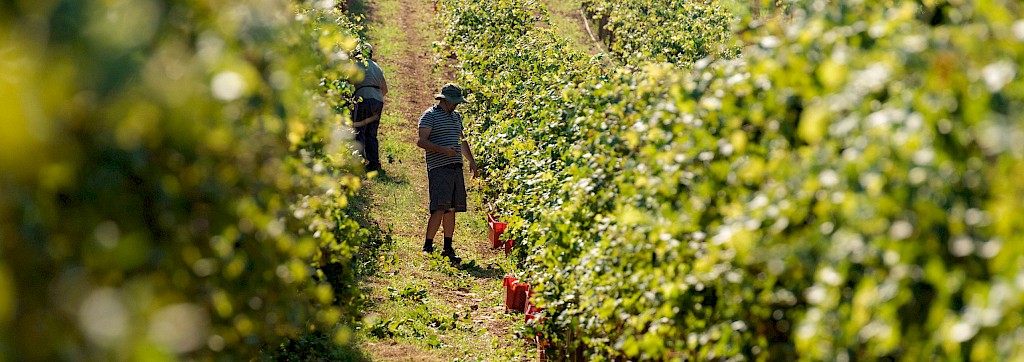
(374, 167)
(428, 248)
(450, 254)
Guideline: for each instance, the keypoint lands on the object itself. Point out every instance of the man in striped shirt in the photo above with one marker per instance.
(441, 136)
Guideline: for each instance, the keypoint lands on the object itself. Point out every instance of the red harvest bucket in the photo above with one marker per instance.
(494, 230)
(526, 303)
(508, 247)
(521, 291)
(515, 294)
(509, 283)
(533, 313)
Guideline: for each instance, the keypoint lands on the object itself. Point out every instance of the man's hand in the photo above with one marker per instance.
(473, 169)
(451, 151)
(374, 117)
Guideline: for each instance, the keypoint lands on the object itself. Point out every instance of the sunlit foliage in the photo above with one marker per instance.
(848, 189)
(173, 177)
(679, 32)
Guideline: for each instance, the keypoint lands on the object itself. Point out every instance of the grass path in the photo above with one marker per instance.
(567, 19)
(418, 307)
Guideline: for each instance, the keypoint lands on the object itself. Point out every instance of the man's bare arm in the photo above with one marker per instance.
(424, 143)
(468, 154)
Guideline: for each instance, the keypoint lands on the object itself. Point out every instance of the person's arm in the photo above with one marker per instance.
(367, 120)
(383, 85)
(468, 154)
(424, 143)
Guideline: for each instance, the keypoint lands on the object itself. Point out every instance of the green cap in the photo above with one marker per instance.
(451, 93)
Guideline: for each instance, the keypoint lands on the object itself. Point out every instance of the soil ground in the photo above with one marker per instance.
(418, 307)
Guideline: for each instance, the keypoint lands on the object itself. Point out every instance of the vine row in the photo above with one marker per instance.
(175, 178)
(844, 190)
(678, 32)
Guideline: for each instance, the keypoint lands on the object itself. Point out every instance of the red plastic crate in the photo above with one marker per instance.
(509, 284)
(526, 303)
(515, 294)
(508, 247)
(531, 311)
(494, 230)
(519, 301)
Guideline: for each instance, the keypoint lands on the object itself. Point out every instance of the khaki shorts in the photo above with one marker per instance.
(447, 188)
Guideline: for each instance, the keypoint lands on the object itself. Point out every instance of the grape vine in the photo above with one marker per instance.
(175, 178)
(843, 190)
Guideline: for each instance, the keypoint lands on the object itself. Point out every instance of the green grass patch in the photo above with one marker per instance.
(414, 304)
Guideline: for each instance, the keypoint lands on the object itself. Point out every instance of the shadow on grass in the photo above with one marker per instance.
(378, 241)
(389, 179)
(475, 270)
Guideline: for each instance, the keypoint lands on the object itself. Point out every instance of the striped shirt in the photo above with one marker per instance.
(445, 129)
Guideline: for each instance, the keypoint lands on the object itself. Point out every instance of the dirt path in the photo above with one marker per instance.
(417, 307)
(412, 63)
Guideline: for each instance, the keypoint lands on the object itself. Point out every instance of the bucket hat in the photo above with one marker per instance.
(451, 93)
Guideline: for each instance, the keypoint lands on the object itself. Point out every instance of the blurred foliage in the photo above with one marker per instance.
(313, 346)
(676, 31)
(847, 190)
(174, 177)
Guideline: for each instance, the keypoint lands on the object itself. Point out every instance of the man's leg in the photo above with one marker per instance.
(360, 130)
(361, 139)
(458, 204)
(449, 232)
(432, 225)
(449, 224)
(372, 146)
